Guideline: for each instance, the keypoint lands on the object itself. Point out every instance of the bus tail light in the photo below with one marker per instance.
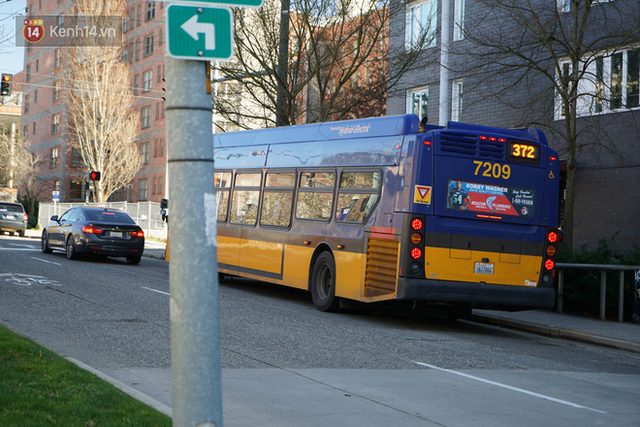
(554, 237)
(414, 241)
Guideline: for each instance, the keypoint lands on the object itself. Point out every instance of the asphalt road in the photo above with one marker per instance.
(284, 362)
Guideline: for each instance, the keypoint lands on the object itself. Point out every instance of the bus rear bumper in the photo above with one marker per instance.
(476, 295)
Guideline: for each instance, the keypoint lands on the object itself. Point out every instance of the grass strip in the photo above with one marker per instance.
(40, 388)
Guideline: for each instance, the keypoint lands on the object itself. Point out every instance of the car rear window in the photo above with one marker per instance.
(109, 216)
(9, 207)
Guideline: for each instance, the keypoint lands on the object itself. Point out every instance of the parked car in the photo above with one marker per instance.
(96, 231)
(13, 218)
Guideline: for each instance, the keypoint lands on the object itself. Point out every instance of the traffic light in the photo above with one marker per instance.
(5, 84)
(94, 176)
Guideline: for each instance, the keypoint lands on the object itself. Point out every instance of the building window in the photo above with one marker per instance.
(33, 130)
(563, 5)
(456, 100)
(144, 152)
(53, 157)
(148, 44)
(57, 58)
(125, 54)
(143, 189)
(55, 122)
(56, 90)
(136, 78)
(151, 10)
(145, 116)
(160, 182)
(137, 49)
(147, 80)
(76, 190)
(130, 49)
(422, 24)
(27, 76)
(26, 103)
(25, 131)
(76, 158)
(418, 101)
(458, 20)
(610, 84)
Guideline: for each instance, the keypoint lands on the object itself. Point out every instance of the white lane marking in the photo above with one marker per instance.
(19, 249)
(155, 290)
(508, 387)
(44, 260)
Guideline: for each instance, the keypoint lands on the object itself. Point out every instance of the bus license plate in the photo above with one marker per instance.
(117, 234)
(483, 268)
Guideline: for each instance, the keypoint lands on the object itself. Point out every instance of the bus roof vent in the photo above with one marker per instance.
(453, 142)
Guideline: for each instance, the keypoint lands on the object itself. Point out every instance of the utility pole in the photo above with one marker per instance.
(445, 37)
(283, 65)
(193, 270)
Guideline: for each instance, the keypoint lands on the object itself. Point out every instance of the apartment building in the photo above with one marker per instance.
(44, 120)
(607, 162)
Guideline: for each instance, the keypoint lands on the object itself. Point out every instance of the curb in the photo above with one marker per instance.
(556, 332)
(149, 401)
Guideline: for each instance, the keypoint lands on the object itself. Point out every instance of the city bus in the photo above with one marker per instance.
(386, 209)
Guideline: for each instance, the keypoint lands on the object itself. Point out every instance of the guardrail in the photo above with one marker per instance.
(603, 284)
(145, 214)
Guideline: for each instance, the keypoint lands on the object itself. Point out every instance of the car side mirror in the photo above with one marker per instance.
(54, 218)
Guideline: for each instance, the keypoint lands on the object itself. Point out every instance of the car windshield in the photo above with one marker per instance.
(109, 216)
(4, 207)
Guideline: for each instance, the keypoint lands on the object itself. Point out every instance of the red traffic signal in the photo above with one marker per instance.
(5, 84)
(94, 176)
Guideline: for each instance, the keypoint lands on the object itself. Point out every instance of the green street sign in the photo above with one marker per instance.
(238, 3)
(200, 33)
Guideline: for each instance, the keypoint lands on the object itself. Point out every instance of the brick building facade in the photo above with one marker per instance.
(44, 116)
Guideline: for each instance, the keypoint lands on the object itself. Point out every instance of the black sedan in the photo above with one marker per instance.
(96, 231)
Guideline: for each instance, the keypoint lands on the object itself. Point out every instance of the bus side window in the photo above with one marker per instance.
(357, 196)
(315, 195)
(245, 197)
(278, 199)
(222, 183)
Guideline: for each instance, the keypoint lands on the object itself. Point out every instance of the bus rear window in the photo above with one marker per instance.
(491, 199)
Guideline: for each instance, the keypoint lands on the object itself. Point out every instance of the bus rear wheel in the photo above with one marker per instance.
(323, 283)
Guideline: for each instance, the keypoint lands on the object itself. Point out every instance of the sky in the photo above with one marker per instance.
(11, 56)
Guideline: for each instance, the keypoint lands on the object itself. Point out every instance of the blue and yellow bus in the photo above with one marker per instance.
(379, 209)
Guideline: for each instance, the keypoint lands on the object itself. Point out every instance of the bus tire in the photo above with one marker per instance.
(323, 283)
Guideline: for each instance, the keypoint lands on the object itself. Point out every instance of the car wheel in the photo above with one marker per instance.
(12, 233)
(133, 260)
(323, 283)
(45, 243)
(21, 233)
(71, 249)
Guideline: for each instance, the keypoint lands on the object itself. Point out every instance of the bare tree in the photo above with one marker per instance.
(338, 63)
(550, 50)
(21, 166)
(101, 118)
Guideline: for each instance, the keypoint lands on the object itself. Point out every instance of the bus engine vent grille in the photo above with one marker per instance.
(493, 149)
(382, 267)
(452, 142)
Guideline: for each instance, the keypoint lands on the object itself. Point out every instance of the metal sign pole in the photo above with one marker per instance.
(195, 318)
